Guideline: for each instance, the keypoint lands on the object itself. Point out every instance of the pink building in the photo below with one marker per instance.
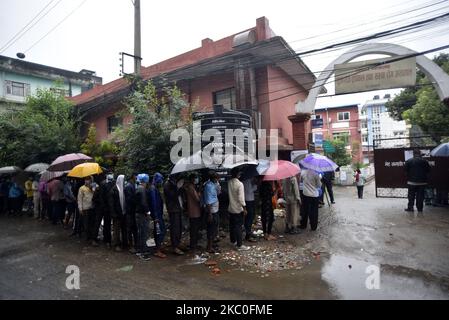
(253, 71)
(339, 123)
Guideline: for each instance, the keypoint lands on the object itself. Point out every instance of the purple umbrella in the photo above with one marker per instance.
(68, 162)
(318, 163)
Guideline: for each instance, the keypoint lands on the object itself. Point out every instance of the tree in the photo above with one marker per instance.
(146, 140)
(339, 156)
(104, 153)
(46, 128)
(421, 106)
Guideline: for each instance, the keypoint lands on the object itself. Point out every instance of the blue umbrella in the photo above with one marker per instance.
(319, 163)
(441, 151)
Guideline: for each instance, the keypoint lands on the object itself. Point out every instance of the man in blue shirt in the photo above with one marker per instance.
(211, 192)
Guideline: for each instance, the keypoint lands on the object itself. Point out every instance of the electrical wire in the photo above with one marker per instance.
(56, 26)
(17, 38)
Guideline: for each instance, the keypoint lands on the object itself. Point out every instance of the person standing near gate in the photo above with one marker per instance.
(359, 182)
(417, 170)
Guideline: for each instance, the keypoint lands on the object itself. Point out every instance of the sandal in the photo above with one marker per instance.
(160, 255)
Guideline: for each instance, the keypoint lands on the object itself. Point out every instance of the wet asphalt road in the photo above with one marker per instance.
(410, 252)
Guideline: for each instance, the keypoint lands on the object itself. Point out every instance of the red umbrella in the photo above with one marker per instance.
(280, 169)
(68, 162)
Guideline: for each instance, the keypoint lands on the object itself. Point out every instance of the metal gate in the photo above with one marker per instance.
(390, 155)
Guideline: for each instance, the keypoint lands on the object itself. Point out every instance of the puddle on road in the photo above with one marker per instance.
(347, 278)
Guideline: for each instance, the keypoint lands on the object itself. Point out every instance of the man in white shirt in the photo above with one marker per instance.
(311, 184)
(236, 209)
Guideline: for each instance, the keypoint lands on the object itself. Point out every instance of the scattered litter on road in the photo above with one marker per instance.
(125, 269)
(210, 263)
(268, 256)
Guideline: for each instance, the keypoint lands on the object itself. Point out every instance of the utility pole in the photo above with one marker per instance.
(137, 39)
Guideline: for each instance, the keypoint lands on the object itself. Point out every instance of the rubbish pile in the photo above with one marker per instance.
(267, 258)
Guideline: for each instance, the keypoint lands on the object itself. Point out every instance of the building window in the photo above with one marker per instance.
(114, 122)
(318, 116)
(364, 138)
(226, 98)
(342, 136)
(18, 89)
(343, 116)
(61, 91)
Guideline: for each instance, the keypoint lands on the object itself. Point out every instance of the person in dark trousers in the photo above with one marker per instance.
(417, 170)
(56, 191)
(4, 190)
(15, 196)
(45, 201)
(77, 221)
(174, 209)
(326, 180)
(266, 198)
(86, 209)
(359, 182)
(102, 212)
(117, 209)
(193, 210)
(250, 187)
(70, 200)
(237, 209)
(311, 185)
(157, 209)
(143, 214)
(212, 207)
(130, 195)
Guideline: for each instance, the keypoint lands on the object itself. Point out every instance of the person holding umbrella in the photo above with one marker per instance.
(15, 194)
(311, 185)
(86, 208)
(267, 214)
(212, 206)
(236, 209)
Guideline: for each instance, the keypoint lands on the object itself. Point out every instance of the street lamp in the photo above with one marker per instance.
(20, 55)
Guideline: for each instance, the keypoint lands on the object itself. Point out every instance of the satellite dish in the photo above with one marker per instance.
(20, 55)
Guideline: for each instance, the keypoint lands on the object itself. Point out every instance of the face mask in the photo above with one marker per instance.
(197, 180)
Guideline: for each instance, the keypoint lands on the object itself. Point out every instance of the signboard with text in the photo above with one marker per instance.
(359, 76)
(317, 123)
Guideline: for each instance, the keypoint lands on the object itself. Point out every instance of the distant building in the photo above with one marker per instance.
(377, 124)
(340, 123)
(19, 79)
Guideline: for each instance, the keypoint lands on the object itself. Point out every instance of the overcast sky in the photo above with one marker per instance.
(98, 30)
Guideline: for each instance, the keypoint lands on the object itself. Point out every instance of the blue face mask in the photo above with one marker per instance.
(197, 180)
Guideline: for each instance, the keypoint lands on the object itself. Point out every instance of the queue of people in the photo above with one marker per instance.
(121, 212)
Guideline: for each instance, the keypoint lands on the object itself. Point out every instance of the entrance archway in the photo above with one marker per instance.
(439, 78)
